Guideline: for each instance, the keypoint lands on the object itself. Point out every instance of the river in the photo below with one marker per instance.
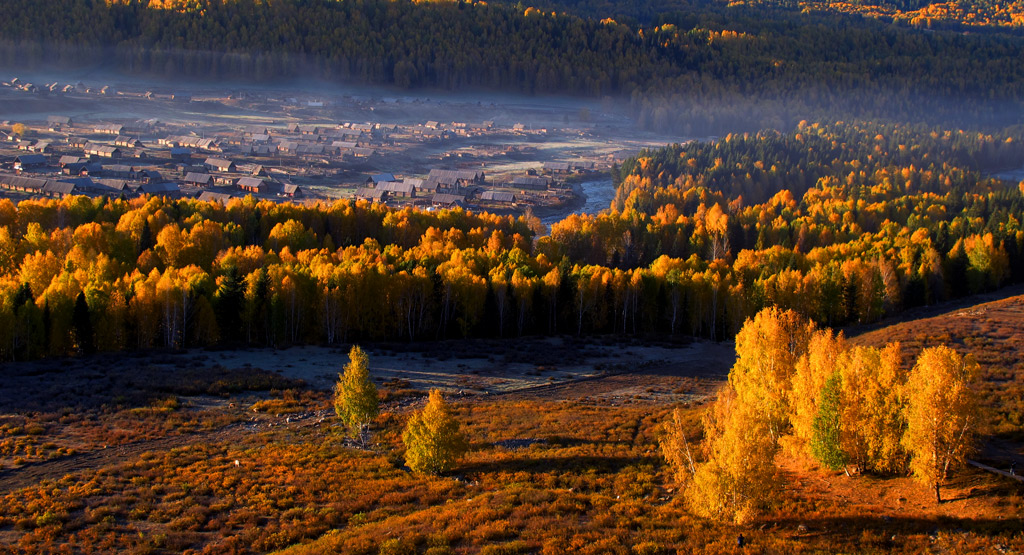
(598, 196)
(1012, 176)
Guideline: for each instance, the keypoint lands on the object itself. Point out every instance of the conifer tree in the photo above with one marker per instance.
(827, 425)
(355, 397)
(432, 438)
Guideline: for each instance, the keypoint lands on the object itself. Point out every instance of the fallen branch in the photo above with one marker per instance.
(995, 470)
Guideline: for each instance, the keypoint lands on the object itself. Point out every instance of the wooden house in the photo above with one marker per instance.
(500, 197)
(397, 189)
(23, 184)
(371, 194)
(29, 161)
(127, 142)
(181, 153)
(41, 147)
(108, 129)
(531, 183)
(380, 178)
(198, 179)
(210, 196)
(251, 169)
(219, 164)
(447, 200)
(556, 167)
(165, 188)
(102, 151)
(59, 121)
(114, 185)
(254, 185)
(122, 171)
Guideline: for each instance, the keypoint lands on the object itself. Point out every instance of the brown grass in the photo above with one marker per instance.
(550, 471)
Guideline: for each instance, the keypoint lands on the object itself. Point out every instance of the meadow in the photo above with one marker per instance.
(222, 460)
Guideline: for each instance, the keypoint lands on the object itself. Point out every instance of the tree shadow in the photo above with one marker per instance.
(567, 464)
(887, 526)
(124, 379)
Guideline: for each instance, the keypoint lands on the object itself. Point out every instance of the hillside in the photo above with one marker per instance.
(171, 452)
(700, 68)
(992, 332)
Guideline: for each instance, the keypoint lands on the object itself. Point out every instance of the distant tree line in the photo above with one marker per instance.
(698, 71)
(843, 223)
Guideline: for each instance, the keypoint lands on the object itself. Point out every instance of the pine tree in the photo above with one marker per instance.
(83, 324)
(432, 438)
(355, 397)
(827, 426)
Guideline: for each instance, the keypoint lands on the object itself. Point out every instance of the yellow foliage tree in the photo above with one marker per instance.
(825, 350)
(433, 442)
(767, 350)
(355, 397)
(676, 448)
(941, 414)
(739, 474)
(873, 420)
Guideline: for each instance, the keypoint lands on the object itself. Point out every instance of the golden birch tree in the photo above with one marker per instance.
(941, 414)
(873, 420)
(739, 474)
(767, 350)
(433, 441)
(825, 351)
(355, 397)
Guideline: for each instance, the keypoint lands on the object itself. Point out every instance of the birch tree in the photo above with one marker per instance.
(355, 397)
(432, 438)
(941, 414)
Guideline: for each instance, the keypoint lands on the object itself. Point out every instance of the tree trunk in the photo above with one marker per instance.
(938, 496)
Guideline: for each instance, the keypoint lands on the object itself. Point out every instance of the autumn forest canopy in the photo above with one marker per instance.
(689, 68)
(845, 223)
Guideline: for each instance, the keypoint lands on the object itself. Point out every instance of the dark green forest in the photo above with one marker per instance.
(693, 68)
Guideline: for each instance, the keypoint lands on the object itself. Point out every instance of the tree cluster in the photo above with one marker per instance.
(858, 409)
(433, 440)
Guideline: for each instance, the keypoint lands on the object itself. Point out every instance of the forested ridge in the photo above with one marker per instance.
(696, 69)
(842, 222)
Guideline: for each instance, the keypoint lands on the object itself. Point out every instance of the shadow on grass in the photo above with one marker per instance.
(566, 464)
(886, 527)
(122, 379)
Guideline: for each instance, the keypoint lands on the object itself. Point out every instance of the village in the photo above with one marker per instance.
(293, 149)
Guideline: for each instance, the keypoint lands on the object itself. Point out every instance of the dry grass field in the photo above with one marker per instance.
(225, 452)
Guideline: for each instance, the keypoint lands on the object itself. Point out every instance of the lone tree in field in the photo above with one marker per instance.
(355, 396)
(433, 442)
(941, 414)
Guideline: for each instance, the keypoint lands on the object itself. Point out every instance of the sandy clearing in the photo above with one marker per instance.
(485, 367)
